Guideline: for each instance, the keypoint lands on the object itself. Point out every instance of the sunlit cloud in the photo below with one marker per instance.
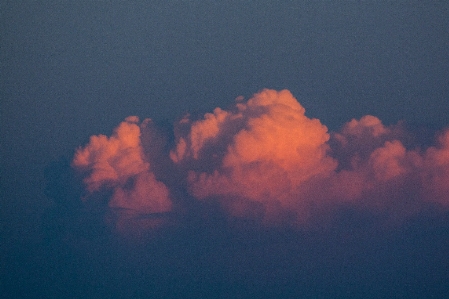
(118, 164)
(264, 159)
(259, 154)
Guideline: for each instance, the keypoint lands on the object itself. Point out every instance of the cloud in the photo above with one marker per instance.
(118, 164)
(259, 154)
(435, 171)
(379, 173)
(264, 159)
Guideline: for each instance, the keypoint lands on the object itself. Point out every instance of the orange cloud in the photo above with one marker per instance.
(377, 171)
(117, 163)
(388, 161)
(266, 160)
(263, 152)
(435, 171)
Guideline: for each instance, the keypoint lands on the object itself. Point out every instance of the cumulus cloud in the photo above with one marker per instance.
(435, 171)
(265, 159)
(118, 164)
(258, 154)
(378, 172)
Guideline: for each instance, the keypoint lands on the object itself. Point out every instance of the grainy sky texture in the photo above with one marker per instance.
(186, 148)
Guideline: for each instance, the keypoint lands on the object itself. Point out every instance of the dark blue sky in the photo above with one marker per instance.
(70, 70)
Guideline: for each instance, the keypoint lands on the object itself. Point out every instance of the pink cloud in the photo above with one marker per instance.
(117, 163)
(265, 159)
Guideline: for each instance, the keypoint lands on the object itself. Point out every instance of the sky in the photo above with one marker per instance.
(188, 148)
